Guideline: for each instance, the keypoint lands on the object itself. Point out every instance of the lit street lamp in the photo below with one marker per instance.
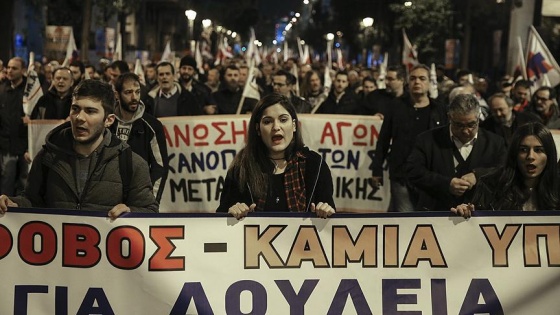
(367, 22)
(206, 23)
(191, 15)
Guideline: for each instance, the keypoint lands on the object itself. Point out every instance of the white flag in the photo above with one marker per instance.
(382, 73)
(409, 54)
(433, 82)
(251, 89)
(540, 61)
(295, 73)
(166, 56)
(139, 71)
(198, 58)
(33, 90)
(71, 48)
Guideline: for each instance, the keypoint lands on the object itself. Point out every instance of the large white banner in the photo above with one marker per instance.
(70, 262)
(201, 148)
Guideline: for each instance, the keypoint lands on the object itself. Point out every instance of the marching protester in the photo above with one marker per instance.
(528, 180)
(55, 104)
(544, 105)
(140, 130)
(340, 100)
(14, 157)
(275, 171)
(409, 115)
(312, 88)
(445, 162)
(202, 94)
(283, 82)
(85, 167)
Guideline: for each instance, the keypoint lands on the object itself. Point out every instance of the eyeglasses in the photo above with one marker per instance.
(469, 126)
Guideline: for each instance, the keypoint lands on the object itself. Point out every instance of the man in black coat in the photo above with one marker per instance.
(446, 161)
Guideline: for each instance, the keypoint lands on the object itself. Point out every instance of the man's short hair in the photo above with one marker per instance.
(79, 64)
(290, 78)
(464, 104)
(121, 65)
(399, 70)
(21, 61)
(522, 83)
(163, 64)
(341, 72)
(551, 92)
(503, 96)
(129, 76)
(62, 68)
(420, 66)
(97, 91)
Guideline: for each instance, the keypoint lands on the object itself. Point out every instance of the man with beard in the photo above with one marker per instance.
(169, 97)
(84, 167)
(312, 89)
(14, 158)
(341, 100)
(228, 96)
(201, 92)
(504, 120)
(56, 103)
(140, 130)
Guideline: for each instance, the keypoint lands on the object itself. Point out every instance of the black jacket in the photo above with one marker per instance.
(47, 107)
(430, 165)
(318, 185)
(13, 132)
(348, 104)
(397, 134)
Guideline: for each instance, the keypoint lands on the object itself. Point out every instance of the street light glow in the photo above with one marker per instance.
(305, 1)
(190, 14)
(206, 23)
(408, 4)
(330, 36)
(367, 21)
(234, 34)
(297, 14)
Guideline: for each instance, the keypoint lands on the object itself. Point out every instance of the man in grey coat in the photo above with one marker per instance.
(80, 165)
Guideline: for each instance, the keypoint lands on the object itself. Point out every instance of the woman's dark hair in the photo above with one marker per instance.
(253, 162)
(511, 193)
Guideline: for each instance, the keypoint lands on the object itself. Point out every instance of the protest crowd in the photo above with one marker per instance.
(444, 131)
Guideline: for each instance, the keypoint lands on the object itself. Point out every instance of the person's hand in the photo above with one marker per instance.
(5, 202)
(26, 120)
(471, 178)
(458, 186)
(210, 109)
(464, 210)
(118, 210)
(27, 157)
(240, 210)
(377, 181)
(323, 209)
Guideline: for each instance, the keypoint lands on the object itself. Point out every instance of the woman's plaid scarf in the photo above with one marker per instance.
(294, 185)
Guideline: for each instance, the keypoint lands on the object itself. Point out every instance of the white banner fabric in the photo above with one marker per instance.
(70, 262)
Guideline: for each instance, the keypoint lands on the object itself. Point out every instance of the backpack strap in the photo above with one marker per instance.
(125, 169)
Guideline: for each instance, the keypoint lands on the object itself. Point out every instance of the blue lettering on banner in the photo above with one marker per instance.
(196, 190)
(196, 162)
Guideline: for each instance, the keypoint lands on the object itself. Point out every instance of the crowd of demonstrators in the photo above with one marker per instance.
(404, 105)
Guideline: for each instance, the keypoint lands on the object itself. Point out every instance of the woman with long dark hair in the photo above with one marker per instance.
(275, 171)
(529, 179)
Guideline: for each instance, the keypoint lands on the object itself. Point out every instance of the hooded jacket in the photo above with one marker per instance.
(147, 139)
(52, 178)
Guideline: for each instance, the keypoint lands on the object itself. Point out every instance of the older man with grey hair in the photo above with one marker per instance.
(446, 161)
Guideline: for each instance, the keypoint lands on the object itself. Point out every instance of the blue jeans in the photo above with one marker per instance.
(401, 198)
(13, 174)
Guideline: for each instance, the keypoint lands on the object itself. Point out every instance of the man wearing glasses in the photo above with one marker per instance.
(545, 107)
(444, 161)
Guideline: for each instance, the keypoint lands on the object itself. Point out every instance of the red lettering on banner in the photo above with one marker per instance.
(136, 247)
(200, 137)
(235, 132)
(47, 243)
(365, 138)
(161, 260)
(328, 132)
(6, 241)
(80, 246)
(218, 127)
(167, 137)
(339, 126)
(186, 137)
